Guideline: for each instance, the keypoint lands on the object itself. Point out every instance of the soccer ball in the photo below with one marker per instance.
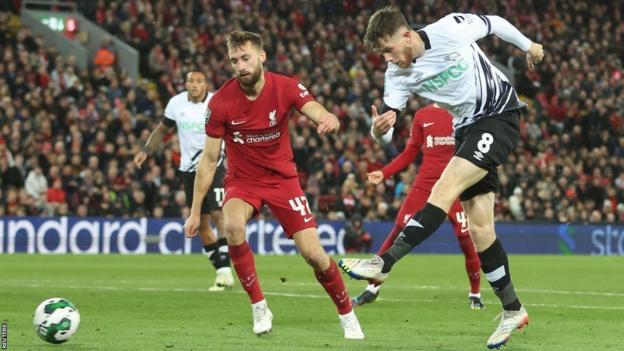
(56, 320)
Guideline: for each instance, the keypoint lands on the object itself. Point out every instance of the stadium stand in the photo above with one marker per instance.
(67, 136)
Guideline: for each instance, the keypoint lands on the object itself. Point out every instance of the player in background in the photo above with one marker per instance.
(187, 112)
(443, 63)
(251, 113)
(432, 132)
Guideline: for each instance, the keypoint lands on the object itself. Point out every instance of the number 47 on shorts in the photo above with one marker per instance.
(300, 204)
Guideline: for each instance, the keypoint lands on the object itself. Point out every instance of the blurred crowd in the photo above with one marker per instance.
(67, 136)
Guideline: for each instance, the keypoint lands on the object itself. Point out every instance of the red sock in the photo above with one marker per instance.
(473, 264)
(332, 281)
(243, 262)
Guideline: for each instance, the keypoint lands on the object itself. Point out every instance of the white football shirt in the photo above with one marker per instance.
(190, 119)
(454, 72)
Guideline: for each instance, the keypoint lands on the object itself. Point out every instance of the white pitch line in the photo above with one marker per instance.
(541, 291)
(293, 295)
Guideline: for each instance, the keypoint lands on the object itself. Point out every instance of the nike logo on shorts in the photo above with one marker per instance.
(425, 125)
(307, 219)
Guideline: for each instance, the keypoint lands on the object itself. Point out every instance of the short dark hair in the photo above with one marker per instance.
(383, 23)
(196, 70)
(238, 38)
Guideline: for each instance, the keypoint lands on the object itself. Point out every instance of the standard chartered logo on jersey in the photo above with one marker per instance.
(190, 125)
(452, 73)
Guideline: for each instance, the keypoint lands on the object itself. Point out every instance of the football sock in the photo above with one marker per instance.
(496, 268)
(243, 261)
(211, 250)
(473, 264)
(224, 256)
(332, 282)
(389, 240)
(419, 228)
(373, 288)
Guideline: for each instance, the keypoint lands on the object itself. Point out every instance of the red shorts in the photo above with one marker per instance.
(285, 198)
(416, 200)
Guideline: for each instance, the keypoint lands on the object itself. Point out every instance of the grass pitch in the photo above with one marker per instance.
(155, 302)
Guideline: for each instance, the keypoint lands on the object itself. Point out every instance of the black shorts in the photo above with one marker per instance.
(487, 143)
(214, 198)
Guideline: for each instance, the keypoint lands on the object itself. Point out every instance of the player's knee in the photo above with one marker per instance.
(316, 259)
(234, 229)
(480, 231)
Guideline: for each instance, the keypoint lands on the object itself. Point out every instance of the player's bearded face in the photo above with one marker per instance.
(250, 77)
(247, 64)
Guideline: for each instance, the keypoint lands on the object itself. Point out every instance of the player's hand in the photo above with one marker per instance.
(139, 158)
(382, 123)
(328, 123)
(375, 177)
(535, 54)
(191, 226)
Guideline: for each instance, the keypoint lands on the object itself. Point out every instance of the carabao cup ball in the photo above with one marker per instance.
(56, 320)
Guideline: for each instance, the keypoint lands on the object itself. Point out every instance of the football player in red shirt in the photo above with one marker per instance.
(251, 113)
(432, 132)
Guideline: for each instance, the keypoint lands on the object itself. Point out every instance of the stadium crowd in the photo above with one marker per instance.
(67, 136)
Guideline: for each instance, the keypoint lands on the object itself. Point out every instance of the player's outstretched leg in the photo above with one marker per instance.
(417, 229)
(371, 292)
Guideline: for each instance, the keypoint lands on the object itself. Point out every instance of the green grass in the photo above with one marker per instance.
(162, 303)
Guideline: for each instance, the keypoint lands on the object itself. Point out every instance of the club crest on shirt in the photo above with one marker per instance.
(272, 118)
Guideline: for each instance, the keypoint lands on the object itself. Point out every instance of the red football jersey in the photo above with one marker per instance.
(257, 140)
(432, 132)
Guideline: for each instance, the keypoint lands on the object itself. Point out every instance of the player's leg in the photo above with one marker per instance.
(213, 204)
(206, 234)
(236, 213)
(414, 201)
(211, 250)
(481, 147)
(289, 204)
(327, 274)
(495, 265)
(458, 219)
(458, 175)
(215, 197)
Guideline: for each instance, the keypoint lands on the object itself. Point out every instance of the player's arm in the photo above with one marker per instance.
(205, 172)
(154, 140)
(325, 121)
(401, 161)
(480, 26)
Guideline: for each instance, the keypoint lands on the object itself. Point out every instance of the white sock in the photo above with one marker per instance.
(347, 315)
(474, 295)
(224, 270)
(259, 303)
(373, 288)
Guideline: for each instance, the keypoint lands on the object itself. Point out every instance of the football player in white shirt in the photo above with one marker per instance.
(443, 63)
(187, 112)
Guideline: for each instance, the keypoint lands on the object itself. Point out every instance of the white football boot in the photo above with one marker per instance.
(351, 326)
(262, 318)
(510, 321)
(364, 269)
